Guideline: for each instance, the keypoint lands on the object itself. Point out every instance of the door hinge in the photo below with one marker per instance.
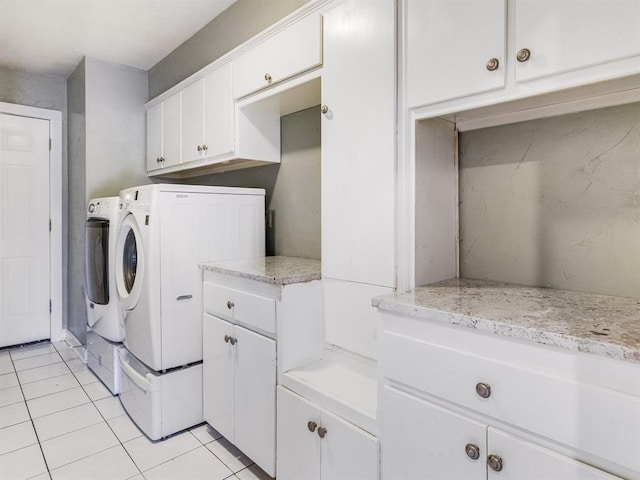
(49, 144)
(49, 224)
(50, 306)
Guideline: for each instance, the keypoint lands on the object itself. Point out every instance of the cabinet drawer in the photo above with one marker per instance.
(291, 51)
(595, 420)
(238, 306)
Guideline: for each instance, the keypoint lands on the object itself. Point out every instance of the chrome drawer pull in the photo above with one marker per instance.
(184, 297)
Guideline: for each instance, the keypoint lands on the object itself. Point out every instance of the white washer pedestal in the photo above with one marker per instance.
(160, 404)
(102, 359)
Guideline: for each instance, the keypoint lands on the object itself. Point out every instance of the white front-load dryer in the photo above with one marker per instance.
(104, 313)
(165, 233)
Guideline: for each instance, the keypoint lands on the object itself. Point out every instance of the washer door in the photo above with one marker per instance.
(96, 250)
(129, 262)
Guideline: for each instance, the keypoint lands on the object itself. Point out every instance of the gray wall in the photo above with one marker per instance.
(43, 91)
(554, 202)
(107, 139)
(77, 315)
(293, 187)
(238, 23)
(116, 127)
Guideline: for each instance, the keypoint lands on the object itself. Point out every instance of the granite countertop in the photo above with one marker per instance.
(275, 270)
(598, 324)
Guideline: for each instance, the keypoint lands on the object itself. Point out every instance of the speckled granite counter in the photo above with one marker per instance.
(599, 324)
(275, 270)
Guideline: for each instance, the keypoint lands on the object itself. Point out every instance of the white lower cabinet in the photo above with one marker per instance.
(314, 444)
(239, 388)
(427, 441)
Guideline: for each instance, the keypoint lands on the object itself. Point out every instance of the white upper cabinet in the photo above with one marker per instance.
(154, 137)
(564, 35)
(291, 51)
(193, 122)
(207, 116)
(454, 48)
(163, 134)
(507, 49)
(358, 142)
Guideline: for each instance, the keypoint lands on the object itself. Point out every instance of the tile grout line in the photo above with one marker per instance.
(44, 459)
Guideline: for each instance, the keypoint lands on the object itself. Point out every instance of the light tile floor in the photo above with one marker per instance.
(59, 422)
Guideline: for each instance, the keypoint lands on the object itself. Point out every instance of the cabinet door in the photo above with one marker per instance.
(171, 131)
(218, 112)
(358, 142)
(291, 51)
(255, 397)
(298, 447)
(193, 122)
(154, 137)
(217, 373)
(449, 43)
(422, 440)
(522, 460)
(565, 35)
(347, 451)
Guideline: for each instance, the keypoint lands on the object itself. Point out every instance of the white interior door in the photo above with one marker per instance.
(24, 230)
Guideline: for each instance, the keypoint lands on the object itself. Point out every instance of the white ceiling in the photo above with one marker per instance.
(52, 36)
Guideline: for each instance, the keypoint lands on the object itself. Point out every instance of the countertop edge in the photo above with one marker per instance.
(535, 335)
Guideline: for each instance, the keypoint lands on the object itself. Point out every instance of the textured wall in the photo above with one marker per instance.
(238, 23)
(116, 128)
(107, 141)
(554, 202)
(43, 91)
(77, 317)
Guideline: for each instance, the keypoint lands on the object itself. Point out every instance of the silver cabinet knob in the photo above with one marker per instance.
(324, 109)
(204, 148)
(267, 77)
(472, 451)
(230, 339)
(494, 462)
(199, 148)
(322, 432)
(227, 338)
(523, 55)
(311, 425)
(483, 390)
(493, 64)
(230, 304)
(158, 160)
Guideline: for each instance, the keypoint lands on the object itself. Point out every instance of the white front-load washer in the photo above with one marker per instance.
(165, 233)
(104, 313)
